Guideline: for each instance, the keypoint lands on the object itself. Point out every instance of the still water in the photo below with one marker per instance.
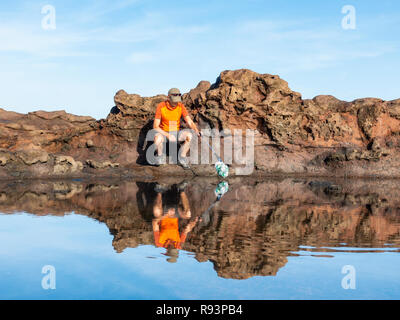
(175, 239)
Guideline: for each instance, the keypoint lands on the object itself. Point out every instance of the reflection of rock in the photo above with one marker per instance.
(319, 136)
(63, 190)
(237, 248)
(252, 230)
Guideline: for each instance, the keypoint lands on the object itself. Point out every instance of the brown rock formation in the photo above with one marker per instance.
(321, 136)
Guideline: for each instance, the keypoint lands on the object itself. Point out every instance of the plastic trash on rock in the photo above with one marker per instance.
(222, 169)
(221, 189)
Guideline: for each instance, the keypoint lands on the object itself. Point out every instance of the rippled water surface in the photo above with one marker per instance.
(175, 239)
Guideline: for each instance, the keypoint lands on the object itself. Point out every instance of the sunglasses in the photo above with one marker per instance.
(176, 94)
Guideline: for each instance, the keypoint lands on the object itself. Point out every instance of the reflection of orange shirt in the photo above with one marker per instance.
(170, 117)
(169, 234)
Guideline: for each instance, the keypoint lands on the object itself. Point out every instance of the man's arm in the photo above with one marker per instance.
(188, 228)
(156, 232)
(192, 125)
(156, 126)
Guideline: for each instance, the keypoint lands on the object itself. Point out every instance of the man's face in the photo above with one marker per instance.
(174, 96)
(170, 212)
(172, 103)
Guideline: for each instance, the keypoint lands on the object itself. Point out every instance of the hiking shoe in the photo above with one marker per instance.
(182, 186)
(160, 188)
(184, 162)
(160, 160)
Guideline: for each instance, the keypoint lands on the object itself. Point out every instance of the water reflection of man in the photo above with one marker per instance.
(166, 224)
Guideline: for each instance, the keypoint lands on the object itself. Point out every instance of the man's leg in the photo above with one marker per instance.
(157, 208)
(185, 136)
(184, 207)
(159, 141)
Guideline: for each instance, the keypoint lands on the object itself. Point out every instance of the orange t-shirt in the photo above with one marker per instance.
(170, 117)
(169, 234)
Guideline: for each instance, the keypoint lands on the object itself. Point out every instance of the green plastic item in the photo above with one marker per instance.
(221, 189)
(222, 169)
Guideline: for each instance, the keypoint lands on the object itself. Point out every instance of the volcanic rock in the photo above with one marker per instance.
(321, 136)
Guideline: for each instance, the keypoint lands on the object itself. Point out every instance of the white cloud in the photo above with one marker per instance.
(97, 9)
(298, 45)
(27, 38)
(24, 36)
(141, 57)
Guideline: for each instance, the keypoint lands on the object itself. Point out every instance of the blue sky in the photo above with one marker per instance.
(146, 47)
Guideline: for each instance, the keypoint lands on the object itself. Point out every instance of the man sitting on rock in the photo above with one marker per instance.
(167, 124)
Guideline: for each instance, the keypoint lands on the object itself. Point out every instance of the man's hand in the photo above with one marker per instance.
(192, 125)
(155, 225)
(171, 138)
(191, 225)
